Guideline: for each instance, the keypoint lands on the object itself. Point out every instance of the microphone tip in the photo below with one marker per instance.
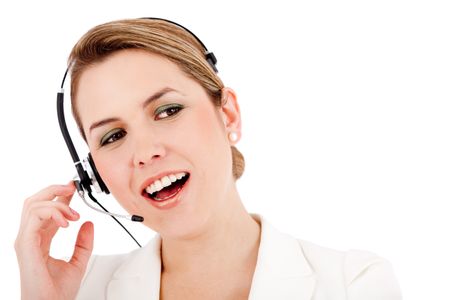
(137, 218)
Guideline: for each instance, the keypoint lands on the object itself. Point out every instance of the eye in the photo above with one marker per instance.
(112, 136)
(167, 111)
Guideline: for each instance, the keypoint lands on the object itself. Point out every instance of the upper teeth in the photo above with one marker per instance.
(159, 184)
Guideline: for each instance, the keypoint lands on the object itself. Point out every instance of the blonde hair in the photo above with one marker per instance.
(157, 37)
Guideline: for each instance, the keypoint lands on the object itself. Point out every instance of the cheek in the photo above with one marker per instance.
(207, 141)
(200, 138)
(113, 174)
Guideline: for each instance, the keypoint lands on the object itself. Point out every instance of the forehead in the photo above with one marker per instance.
(126, 77)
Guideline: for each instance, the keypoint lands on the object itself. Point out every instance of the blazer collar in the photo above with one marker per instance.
(139, 275)
(281, 272)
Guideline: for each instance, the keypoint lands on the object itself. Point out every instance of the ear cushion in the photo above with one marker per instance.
(100, 182)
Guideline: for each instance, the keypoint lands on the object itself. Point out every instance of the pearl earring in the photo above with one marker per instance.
(233, 136)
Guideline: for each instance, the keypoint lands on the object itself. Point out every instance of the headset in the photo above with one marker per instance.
(88, 178)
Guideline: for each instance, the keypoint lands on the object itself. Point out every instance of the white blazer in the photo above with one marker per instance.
(286, 268)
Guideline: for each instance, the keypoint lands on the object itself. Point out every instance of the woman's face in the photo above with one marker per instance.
(155, 121)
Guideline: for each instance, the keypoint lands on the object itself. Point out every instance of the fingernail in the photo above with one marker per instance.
(73, 212)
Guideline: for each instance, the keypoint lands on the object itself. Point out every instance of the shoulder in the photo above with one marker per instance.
(363, 274)
(320, 271)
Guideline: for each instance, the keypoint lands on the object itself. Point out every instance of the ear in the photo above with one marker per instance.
(231, 115)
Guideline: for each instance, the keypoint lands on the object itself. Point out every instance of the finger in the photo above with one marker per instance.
(67, 212)
(38, 215)
(32, 222)
(65, 199)
(83, 246)
(42, 216)
(71, 185)
(51, 192)
(49, 228)
(32, 234)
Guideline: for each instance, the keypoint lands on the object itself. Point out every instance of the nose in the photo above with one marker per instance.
(147, 150)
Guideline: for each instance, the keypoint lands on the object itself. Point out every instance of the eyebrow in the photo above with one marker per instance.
(149, 100)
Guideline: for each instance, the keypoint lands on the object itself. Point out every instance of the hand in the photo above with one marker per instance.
(42, 276)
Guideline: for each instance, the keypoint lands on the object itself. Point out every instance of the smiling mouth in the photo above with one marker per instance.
(167, 192)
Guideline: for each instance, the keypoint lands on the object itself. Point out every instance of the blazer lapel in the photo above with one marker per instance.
(282, 271)
(139, 276)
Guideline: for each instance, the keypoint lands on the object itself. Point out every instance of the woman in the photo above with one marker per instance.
(161, 128)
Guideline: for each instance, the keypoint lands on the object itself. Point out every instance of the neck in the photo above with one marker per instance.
(230, 242)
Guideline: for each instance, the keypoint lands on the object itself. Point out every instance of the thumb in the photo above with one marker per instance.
(83, 246)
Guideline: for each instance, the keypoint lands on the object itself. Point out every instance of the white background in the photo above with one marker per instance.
(345, 110)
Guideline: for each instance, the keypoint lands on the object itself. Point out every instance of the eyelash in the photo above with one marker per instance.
(104, 141)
